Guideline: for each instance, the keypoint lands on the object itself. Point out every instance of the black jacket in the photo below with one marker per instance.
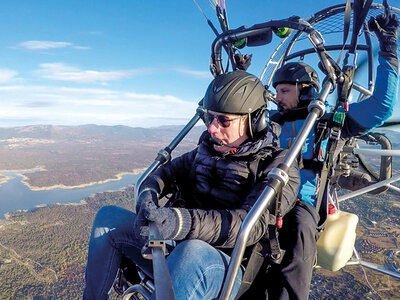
(219, 189)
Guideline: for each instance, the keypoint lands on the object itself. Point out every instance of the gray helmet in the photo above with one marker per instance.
(235, 92)
(296, 72)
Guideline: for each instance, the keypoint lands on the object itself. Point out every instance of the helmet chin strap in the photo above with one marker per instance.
(250, 127)
(297, 95)
(219, 143)
(216, 142)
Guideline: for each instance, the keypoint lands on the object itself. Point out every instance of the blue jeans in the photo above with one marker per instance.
(197, 269)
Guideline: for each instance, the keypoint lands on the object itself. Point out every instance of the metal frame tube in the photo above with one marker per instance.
(232, 36)
(361, 89)
(369, 188)
(394, 188)
(240, 246)
(162, 278)
(379, 269)
(377, 152)
(374, 267)
(317, 109)
(165, 152)
(308, 125)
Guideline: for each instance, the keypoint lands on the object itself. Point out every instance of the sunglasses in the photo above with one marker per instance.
(222, 120)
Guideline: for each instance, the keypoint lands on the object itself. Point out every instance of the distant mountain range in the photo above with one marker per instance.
(118, 132)
(91, 131)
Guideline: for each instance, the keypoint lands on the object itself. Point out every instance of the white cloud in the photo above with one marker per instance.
(81, 47)
(43, 45)
(25, 105)
(197, 74)
(64, 72)
(7, 75)
(48, 45)
(61, 71)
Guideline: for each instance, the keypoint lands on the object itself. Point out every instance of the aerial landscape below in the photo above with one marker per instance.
(43, 251)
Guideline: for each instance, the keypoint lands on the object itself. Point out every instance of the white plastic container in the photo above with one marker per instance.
(335, 245)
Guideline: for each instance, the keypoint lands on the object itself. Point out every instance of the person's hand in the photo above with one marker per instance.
(386, 30)
(145, 198)
(172, 223)
(146, 201)
(243, 61)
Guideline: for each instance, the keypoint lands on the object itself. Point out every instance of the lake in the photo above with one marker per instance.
(14, 195)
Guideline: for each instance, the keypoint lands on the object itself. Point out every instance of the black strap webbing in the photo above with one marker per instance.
(329, 163)
(360, 13)
(260, 251)
(275, 250)
(268, 246)
(253, 267)
(346, 27)
(346, 23)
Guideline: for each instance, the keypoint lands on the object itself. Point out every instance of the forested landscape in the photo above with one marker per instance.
(43, 252)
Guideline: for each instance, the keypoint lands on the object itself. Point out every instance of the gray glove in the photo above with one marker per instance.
(172, 223)
(147, 200)
(386, 30)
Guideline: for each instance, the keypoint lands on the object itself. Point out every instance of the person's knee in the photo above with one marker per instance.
(306, 228)
(107, 210)
(198, 270)
(305, 218)
(109, 218)
(192, 254)
(299, 240)
(194, 250)
(104, 213)
(191, 245)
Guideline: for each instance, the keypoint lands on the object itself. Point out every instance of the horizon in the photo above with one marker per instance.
(101, 125)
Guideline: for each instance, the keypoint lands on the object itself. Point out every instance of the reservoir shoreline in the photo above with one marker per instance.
(16, 195)
(25, 179)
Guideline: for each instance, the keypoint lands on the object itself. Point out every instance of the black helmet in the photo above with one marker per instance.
(235, 92)
(296, 72)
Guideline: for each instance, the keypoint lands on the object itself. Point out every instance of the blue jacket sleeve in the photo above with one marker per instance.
(372, 112)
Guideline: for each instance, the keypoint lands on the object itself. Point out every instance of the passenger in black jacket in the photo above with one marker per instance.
(218, 183)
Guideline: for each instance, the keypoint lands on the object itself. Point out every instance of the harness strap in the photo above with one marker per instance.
(338, 119)
(346, 23)
(361, 9)
(312, 164)
(275, 253)
(253, 267)
(346, 27)
(267, 246)
(260, 252)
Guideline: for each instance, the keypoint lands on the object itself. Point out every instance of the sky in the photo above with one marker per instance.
(122, 62)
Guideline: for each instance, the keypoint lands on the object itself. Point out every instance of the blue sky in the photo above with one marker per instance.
(136, 63)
